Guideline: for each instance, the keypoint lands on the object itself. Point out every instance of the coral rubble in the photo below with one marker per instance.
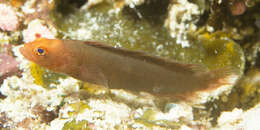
(216, 34)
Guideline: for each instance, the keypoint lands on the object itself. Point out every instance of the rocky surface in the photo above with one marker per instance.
(215, 34)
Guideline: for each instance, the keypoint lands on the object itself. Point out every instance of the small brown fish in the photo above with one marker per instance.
(100, 64)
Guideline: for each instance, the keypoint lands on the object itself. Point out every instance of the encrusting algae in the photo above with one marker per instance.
(221, 51)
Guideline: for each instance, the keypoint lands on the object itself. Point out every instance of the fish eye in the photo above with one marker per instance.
(40, 51)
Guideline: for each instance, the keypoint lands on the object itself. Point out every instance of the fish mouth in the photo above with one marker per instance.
(25, 53)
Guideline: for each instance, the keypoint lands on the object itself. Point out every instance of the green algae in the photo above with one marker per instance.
(150, 120)
(78, 108)
(123, 29)
(10, 37)
(76, 125)
(248, 89)
(93, 88)
(221, 51)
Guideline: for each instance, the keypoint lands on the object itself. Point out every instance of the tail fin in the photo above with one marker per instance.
(211, 84)
(217, 78)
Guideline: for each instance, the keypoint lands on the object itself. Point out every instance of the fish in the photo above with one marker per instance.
(119, 68)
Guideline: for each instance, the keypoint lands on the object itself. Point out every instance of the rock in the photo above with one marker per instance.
(8, 66)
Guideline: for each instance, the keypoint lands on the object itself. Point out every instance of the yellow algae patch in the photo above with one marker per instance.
(78, 108)
(43, 77)
(77, 125)
(227, 54)
(37, 73)
(218, 34)
(93, 88)
(230, 47)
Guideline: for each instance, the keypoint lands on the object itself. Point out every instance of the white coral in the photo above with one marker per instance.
(180, 20)
(36, 27)
(8, 18)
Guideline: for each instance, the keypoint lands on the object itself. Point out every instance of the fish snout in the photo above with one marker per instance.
(22, 50)
(25, 52)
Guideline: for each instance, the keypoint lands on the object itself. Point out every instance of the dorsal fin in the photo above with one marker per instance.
(140, 55)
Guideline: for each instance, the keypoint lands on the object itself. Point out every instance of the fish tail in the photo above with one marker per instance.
(218, 78)
(223, 79)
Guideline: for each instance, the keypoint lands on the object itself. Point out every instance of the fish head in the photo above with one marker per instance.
(49, 53)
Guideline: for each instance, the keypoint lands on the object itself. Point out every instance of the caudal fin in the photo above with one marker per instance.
(219, 78)
(210, 84)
